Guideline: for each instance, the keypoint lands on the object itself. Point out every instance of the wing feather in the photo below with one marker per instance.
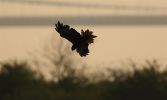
(66, 32)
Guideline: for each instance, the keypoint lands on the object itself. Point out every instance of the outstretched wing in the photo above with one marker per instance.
(66, 32)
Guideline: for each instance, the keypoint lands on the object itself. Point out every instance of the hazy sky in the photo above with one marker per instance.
(113, 42)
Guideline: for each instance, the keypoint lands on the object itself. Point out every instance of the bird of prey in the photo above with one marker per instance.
(80, 41)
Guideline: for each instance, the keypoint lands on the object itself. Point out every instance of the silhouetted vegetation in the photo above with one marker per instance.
(18, 82)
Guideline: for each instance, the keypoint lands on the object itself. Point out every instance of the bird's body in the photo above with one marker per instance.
(80, 41)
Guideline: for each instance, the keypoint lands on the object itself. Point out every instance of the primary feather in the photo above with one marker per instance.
(80, 41)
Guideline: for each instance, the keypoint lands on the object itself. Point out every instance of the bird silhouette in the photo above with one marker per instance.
(80, 41)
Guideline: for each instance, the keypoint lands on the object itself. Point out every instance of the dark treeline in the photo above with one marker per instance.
(18, 82)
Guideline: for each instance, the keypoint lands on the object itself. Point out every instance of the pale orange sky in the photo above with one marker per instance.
(113, 42)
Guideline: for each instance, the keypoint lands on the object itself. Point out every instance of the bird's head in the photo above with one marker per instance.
(88, 36)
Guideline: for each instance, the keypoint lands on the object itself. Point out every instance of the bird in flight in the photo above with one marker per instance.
(80, 41)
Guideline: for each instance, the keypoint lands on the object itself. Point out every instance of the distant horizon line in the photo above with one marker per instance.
(84, 20)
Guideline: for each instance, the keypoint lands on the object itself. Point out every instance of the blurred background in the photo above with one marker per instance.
(126, 29)
(131, 33)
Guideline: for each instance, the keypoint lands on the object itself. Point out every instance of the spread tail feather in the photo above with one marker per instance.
(83, 51)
